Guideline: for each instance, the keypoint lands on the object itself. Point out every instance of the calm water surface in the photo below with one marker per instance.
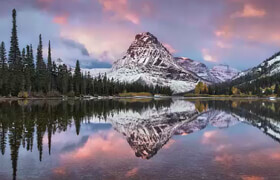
(140, 139)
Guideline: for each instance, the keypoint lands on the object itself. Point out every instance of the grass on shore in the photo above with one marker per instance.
(133, 94)
(208, 95)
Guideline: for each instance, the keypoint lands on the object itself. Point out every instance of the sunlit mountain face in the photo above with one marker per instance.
(238, 33)
(134, 138)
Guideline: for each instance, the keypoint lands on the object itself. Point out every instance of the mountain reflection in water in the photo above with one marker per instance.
(145, 125)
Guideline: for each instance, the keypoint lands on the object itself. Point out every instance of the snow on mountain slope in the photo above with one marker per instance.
(148, 131)
(148, 61)
(215, 118)
(223, 73)
(269, 67)
(154, 114)
(198, 68)
(96, 71)
(217, 74)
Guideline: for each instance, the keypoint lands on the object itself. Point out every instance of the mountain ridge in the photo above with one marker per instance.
(148, 61)
(216, 74)
(268, 67)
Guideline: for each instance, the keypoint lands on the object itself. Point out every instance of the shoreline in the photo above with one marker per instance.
(136, 97)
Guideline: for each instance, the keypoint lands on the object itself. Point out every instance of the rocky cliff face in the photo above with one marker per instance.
(217, 74)
(148, 61)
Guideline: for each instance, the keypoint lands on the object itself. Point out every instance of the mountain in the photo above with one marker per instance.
(267, 68)
(223, 73)
(196, 67)
(217, 74)
(150, 130)
(148, 61)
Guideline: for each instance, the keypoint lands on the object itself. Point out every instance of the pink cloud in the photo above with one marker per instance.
(121, 10)
(59, 171)
(249, 11)
(225, 159)
(170, 48)
(207, 56)
(209, 136)
(98, 45)
(110, 146)
(131, 172)
(223, 45)
(169, 144)
(247, 177)
(224, 32)
(61, 19)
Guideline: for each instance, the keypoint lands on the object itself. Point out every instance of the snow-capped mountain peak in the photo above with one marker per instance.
(145, 52)
(217, 74)
(196, 67)
(148, 61)
(223, 73)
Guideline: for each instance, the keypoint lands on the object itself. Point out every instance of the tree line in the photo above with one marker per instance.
(23, 75)
(265, 86)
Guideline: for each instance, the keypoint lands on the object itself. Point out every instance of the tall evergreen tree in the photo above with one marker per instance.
(30, 68)
(3, 69)
(14, 54)
(32, 64)
(15, 64)
(63, 77)
(49, 58)
(49, 67)
(40, 67)
(77, 78)
(3, 56)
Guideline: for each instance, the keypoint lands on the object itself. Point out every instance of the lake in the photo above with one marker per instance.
(140, 139)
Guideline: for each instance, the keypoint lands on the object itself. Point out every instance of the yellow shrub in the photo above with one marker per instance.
(23, 94)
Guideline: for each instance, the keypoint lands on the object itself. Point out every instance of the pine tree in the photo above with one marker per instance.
(15, 64)
(55, 74)
(40, 68)
(3, 56)
(49, 58)
(27, 72)
(77, 78)
(3, 70)
(14, 54)
(64, 79)
(24, 63)
(49, 66)
(30, 69)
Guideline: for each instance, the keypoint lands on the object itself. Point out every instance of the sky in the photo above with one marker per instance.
(239, 33)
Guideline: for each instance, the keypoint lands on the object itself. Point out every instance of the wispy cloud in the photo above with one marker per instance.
(223, 45)
(207, 56)
(249, 11)
(120, 9)
(61, 19)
